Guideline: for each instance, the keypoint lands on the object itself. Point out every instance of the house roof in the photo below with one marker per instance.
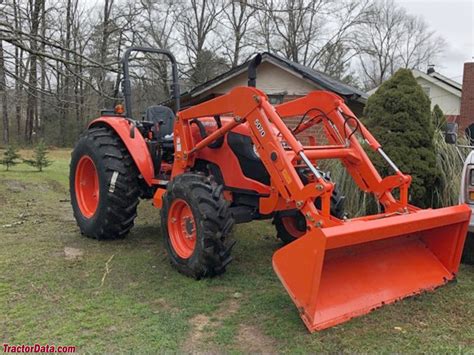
(441, 81)
(437, 79)
(311, 75)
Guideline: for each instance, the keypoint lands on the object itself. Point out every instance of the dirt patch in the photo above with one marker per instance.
(66, 214)
(73, 253)
(196, 338)
(15, 186)
(202, 328)
(56, 186)
(161, 304)
(252, 340)
(231, 307)
(3, 200)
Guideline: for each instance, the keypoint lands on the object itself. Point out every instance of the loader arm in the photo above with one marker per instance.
(250, 105)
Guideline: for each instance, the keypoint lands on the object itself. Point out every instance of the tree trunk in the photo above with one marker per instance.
(3, 91)
(104, 46)
(18, 72)
(32, 100)
(40, 119)
(66, 97)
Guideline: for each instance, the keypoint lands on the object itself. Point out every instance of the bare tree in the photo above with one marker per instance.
(390, 39)
(159, 30)
(305, 31)
(237, 19)
(419, 44)
(60, 59)
(198, 20)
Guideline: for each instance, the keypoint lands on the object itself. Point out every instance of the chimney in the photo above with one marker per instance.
(467, 98)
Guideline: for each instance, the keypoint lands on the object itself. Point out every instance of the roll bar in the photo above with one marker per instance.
(126, 86)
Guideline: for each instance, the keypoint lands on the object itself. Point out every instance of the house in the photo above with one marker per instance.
(281, 79)
(442, 91)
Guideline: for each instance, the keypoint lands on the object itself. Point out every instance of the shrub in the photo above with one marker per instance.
(40, 158)
(399, 116)
(10, 157)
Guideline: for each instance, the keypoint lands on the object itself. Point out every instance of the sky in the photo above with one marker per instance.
(454, 21)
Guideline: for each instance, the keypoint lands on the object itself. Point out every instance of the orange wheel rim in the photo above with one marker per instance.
(182, 228)
(87, 186)
(291, 225)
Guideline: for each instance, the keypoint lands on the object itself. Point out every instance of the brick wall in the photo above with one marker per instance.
(467, 99)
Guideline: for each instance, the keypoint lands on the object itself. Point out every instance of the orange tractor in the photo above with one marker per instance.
(232, 160)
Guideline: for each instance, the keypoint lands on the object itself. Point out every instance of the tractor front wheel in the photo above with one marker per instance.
(196, 221)
(103, 183)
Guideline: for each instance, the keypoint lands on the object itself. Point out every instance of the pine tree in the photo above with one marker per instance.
(399, 116)
(10, 157)
(40, 158)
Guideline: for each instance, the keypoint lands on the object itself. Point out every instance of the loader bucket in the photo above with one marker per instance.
(334, 274)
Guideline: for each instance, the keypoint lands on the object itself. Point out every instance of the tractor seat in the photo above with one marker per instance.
(163, 119)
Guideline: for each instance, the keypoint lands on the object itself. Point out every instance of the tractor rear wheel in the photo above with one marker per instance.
(103, 183)
(291, 227)
(196, 221)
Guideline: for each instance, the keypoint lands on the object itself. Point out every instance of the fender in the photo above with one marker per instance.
(136, 146)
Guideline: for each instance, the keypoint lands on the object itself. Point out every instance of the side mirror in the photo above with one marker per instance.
(451, 133)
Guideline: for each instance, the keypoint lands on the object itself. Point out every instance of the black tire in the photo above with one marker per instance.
(117, 205)
(468, 251)
(213, 224)
(337, 210)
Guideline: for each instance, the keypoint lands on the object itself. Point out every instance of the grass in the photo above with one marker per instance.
(145, 305)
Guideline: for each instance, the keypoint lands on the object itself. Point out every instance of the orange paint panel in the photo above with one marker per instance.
(136, 146)
(366, 264)
(158, 198)
(356, 282)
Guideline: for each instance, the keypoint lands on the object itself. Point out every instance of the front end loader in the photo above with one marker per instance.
(233, 159)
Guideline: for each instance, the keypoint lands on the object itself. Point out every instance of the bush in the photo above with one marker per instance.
(10, 157)
(40, 158)
(399, 116)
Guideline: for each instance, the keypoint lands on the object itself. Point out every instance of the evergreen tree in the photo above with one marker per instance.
(40, 158)
(399, 116)
(10, 157)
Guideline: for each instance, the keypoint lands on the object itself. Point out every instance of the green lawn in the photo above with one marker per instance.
(51, 289)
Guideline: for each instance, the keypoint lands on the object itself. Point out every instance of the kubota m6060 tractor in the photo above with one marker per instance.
(233, 159)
